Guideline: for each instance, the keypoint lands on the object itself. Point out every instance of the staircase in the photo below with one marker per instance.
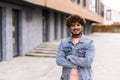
(46, 49)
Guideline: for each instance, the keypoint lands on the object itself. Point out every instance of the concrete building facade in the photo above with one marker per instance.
(25, 24)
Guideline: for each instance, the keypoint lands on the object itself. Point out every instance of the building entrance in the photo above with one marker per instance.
(15, 31)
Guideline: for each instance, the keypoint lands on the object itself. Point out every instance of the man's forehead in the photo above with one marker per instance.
(73, 23)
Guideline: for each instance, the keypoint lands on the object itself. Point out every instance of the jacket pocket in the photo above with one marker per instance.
(67, 50)
(80, 53)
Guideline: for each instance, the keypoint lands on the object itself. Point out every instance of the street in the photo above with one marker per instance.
(106, 65)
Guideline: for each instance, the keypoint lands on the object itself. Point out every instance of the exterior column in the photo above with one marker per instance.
(7, 34)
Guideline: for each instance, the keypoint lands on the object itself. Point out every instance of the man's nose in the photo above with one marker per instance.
(76, 26)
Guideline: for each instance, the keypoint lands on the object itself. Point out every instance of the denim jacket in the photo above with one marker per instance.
(79, 56)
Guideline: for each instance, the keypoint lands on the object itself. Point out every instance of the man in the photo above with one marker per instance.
(75, 53)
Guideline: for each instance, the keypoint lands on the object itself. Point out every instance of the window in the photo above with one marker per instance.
(96, 5)
(102, 10)
(84, 3)
(73, 0)
(78, 1)
(108, 15)
(93, 5)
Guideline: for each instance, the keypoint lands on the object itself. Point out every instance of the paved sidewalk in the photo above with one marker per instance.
(106, 65)
(29, 68)
(107, 60)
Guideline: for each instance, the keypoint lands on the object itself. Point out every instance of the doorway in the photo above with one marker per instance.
(15, 31)
(45, 28)
(56, 26)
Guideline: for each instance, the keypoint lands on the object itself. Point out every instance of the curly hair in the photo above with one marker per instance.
(73, 19)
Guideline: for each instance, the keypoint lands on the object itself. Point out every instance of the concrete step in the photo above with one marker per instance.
(43, 51)
(41, 55)
(47, 49)
(44, 48)
(48, 46)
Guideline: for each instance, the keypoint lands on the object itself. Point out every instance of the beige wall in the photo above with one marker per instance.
(38, 2)
(67, 6)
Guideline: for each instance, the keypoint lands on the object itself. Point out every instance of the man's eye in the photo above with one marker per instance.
(78, 25)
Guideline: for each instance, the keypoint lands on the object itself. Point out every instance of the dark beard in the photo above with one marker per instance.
(76, 35)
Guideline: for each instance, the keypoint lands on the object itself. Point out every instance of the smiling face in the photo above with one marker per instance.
(76, 29)
(75, 24)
